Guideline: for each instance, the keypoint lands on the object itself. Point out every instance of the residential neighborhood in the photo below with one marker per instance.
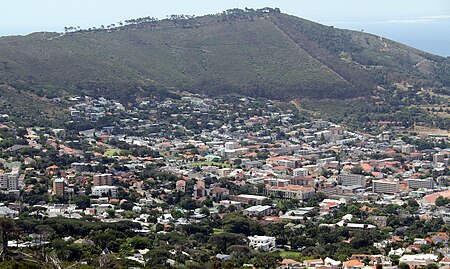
(233, 181)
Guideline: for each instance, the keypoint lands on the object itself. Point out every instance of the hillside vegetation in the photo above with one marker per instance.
(30, 109)
(260, 53)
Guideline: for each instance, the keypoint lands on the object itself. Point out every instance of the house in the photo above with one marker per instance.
(297, 214)
(290, 264)
(257, 210)
(445, 262)
(440, 238)
(218, 192)
(380, 221)
(419, 259)
(223, 257)
(353, 264)
(281, 169)
(248, 199)
(227, 203)
(200, 189)
(331, 263)
(306, 181)
(101, 191)
(181, 185)
(372, 259)
(165, 219)
(290, 192)
(52, 170)
(264, 243)
(398, 252)
(422, 241)
(313, 263)
(8, 213)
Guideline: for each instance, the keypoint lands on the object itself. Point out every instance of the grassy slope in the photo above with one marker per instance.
(361, 57)
(276, 56)
(215, 56)
(29, 109)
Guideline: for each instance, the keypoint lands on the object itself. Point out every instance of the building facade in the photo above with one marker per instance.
(386, 186)
(59, 186)
(101, 191)
(102, 180)
(352, 180)
(300, 172)
(427, 183)
(290, 192)
(9, 181)
(264, 243)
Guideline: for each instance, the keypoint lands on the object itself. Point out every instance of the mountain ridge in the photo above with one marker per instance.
(261, 53)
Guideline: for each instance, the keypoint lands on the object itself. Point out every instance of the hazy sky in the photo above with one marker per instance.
(424, 24)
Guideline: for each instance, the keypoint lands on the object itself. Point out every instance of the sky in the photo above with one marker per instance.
(424, 24)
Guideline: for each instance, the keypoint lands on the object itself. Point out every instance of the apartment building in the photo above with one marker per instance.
(9, 181)
(386, 186)
(415, 183)
(290, 192)
(59, 186)
(102, 180)
(352, 180)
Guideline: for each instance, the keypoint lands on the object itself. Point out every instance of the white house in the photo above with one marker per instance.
(8, 213)
(419, 259)
(265, 243)
(262, 210)
(100, 191)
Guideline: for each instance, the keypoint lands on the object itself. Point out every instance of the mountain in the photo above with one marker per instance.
(252, 52)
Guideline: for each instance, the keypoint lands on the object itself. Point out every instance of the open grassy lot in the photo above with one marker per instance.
(218, 231)
(112, 152)
(425, 131)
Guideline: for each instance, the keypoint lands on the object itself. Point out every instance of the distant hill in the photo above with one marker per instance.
(252, 52)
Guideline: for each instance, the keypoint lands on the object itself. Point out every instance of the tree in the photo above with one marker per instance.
(127, 205)
(239, 251)
(360, 240)
(267, 201)
(188, 204)
(7, 227)
(267, 260)
(431, 266)
(357, 170)
(45, 233)
(240, 224)
(205, 210)
(111, 213)
(157, 256)
(207, 202)
(413, 203)
(441, 201)
(394, 258)
(225, 240)
(82, 201)
(107, 261)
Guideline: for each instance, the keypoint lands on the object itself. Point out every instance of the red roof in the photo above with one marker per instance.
(353, 263)
(53, 167)
(289, 261)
